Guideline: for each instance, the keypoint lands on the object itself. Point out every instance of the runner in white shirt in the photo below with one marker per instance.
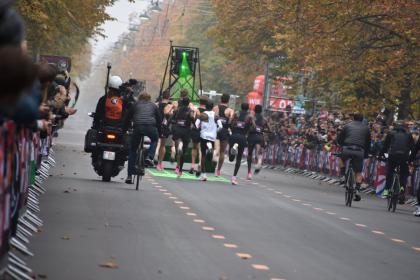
(209, 125)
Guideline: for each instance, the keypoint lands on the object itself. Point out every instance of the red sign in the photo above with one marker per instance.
(254, 98)
(259, 84)
(281, 103)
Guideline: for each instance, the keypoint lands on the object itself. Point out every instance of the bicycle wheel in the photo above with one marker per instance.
(390, 197)
(395, 193)
(350, 188)
(140, 167)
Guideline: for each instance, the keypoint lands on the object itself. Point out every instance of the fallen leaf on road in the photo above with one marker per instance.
(66, 191)
(75, 190)
(65, 238)
(109, 265)
(43, 276)
(74, 173)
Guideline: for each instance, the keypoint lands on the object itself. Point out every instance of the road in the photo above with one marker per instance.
(278, 226)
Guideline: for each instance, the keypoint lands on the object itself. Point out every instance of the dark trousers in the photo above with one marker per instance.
(141, 131)
(393, 162)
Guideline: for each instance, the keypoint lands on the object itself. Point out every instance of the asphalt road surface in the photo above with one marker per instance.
(277, 226)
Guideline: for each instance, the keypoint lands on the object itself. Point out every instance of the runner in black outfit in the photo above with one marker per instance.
(195, 137)
(225, 115)
(165, 130)
(240, 126)
(181, 131)
(256, 140)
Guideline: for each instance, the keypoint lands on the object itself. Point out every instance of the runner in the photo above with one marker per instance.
(165, 130)
(183, 117)
(195, 137)
(225, 115)
(256, 140)
(209, 124)
(240, 126)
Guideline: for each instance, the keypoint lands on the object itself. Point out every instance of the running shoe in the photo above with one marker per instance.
(159, 167)
(357, 196)
(234, 180)
(249, 177)
(203, 177)
(192, 170)
(177, 170)
(417, 212)
(218, 173)
(385, 193)
(129, 180)
(179, 174)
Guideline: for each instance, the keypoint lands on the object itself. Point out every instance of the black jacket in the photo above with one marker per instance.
(355, 134)
(143, 113)
(398, 142)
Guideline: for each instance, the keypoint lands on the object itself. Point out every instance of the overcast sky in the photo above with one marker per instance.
(113, 29)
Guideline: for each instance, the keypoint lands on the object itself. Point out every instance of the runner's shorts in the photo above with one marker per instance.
(223, 134)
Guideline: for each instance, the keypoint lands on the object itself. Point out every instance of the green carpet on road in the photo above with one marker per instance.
(170, 174)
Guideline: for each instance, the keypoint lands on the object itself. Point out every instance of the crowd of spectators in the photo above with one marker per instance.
(320, 130)
(35, 95)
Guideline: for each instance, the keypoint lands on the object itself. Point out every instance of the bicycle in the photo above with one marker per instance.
(394, 191)
(139, 166)
(350, 181)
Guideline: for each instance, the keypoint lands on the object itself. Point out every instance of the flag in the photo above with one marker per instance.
(380, 179)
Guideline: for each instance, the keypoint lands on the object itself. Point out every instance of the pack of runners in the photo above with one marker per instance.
(212, 129)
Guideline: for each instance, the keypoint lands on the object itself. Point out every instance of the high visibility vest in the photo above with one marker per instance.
(114, 108)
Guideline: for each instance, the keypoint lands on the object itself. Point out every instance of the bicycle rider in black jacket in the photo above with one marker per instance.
(355, 140)
(398, 144)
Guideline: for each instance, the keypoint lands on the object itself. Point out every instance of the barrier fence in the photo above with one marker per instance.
(321, 159)
(21, 175)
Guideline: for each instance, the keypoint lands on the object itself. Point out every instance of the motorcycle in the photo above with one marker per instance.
(109, 150)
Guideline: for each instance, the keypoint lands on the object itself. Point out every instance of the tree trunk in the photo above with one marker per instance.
(405, 98)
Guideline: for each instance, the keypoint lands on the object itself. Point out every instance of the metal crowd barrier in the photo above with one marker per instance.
(319, 162)
(25, 161)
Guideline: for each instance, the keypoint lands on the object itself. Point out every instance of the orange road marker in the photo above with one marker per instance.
(397, 240)
(244, 256)
(260, 267)
(208, 228)
(191, 214)
(221, 237)
(360, 225)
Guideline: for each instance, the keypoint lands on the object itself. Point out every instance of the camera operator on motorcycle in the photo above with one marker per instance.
(146, 118)
(111, 107)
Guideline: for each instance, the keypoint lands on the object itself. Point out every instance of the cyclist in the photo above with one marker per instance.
(398, 144)
(195, 136)
(225, 115)
(240, 125)
(256, 140)
(209, 124)
(182, 119)
(355, 140)
(146, 118)
(165, 130)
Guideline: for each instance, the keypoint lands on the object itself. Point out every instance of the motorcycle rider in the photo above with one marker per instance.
(109, 111)
(111, 107)
(398, 144)
(355, 140)
(146, 119)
